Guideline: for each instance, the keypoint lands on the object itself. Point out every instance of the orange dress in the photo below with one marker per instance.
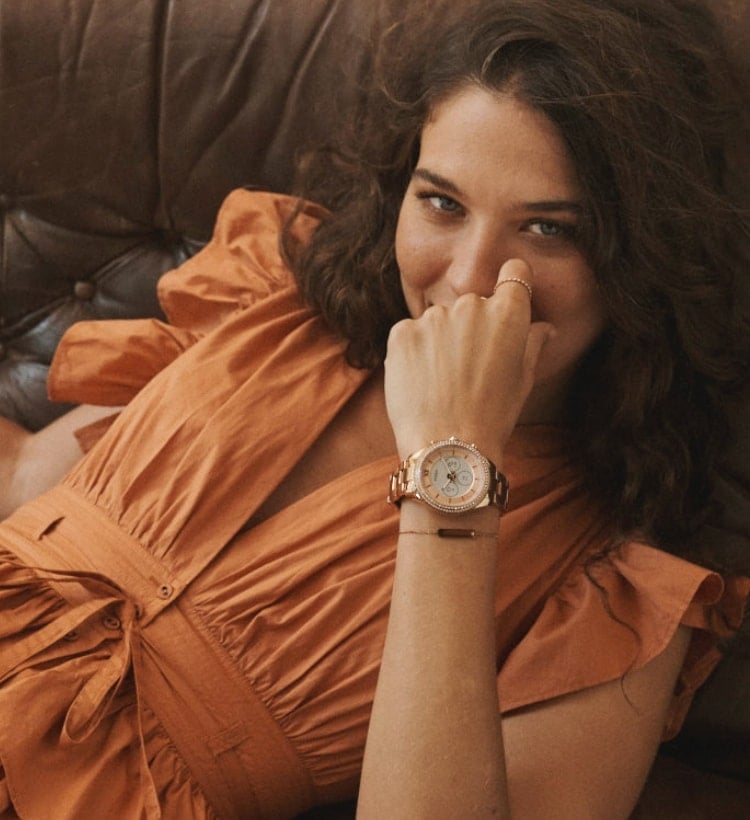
(158, 659)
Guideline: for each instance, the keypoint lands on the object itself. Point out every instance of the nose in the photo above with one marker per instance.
(474, 264)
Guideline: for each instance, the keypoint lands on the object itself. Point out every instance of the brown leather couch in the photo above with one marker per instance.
(123, 125)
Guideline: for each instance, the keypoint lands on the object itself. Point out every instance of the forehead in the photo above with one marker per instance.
(476, 132)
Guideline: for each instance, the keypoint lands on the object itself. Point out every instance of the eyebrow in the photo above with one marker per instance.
(437, 180)
(546, 205)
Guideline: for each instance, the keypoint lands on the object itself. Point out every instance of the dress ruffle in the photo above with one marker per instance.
(612, 615)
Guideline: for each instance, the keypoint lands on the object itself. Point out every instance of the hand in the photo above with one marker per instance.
(465, 369)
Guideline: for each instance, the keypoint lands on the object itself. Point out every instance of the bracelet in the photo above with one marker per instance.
(445, 532)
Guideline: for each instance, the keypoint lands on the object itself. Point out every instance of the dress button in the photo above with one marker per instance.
(165, 591)
(111, 622)
(84, 290)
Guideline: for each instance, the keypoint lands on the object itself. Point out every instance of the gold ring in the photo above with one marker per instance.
(515, 279)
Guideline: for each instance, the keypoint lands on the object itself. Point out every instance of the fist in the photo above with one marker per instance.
(465, 369)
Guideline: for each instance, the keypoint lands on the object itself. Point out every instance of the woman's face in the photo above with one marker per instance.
(493, 182)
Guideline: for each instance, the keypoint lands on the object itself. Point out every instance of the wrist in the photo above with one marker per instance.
(419, 517)
(475, 536)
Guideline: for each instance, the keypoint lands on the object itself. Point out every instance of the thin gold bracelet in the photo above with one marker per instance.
(446, 532)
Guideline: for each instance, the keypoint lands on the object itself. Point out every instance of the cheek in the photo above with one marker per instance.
(572, 304)
(589, 310)
(417, 258)
(400, 241)
(568, 297)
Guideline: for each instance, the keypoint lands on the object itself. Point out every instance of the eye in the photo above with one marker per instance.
(440, 203)
(551, 228)
(443, 203)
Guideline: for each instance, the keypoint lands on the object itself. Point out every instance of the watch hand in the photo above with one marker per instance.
(451, 475)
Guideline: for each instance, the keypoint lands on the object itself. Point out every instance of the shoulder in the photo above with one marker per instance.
(243, 262)
(247, 213)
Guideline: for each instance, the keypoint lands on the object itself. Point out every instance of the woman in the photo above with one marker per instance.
(542, 239)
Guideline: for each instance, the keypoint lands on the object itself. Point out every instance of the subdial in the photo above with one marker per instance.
(452, 476)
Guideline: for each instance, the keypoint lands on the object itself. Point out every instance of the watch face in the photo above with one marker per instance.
(452, 476)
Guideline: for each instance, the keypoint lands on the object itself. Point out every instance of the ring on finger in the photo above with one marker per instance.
(519, 281)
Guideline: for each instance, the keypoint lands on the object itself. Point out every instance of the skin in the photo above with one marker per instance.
(472, 363)
(494, 184)
(33, 462)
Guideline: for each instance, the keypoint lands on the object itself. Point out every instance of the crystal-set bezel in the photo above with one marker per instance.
(478, 493)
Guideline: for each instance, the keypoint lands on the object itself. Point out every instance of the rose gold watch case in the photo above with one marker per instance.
(413, 479)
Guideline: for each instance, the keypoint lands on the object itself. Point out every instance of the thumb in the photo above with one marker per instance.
(539, 334)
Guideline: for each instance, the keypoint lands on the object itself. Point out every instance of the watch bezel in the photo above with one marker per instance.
(479, 488)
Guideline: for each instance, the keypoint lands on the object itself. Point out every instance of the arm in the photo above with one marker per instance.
(31, 463)
(436, 745)
(587, 755)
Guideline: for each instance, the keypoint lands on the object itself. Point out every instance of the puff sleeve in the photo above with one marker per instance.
(108, 362)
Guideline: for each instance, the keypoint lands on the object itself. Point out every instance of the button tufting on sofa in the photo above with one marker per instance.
(84, 290)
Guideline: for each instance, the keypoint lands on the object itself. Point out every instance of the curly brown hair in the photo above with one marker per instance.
(648, 105)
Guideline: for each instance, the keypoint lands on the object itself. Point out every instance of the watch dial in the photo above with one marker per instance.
(452, 477)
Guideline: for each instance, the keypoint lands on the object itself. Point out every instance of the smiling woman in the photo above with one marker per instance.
(494, 182)
(515, 314)
(644, 154)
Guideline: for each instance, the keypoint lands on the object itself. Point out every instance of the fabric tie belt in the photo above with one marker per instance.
(234, 749)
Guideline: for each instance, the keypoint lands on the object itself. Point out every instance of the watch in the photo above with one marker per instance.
(452, 476)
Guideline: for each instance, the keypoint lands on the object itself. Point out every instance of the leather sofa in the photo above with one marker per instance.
(124, 124)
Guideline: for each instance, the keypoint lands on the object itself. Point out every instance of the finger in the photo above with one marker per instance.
(517, 274)
(539, 334)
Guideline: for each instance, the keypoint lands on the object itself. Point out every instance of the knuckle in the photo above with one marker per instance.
(467, 302)
(398, 332)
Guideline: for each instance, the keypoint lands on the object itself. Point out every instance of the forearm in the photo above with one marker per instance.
(434, 746)
(31, 463)
(13, 438)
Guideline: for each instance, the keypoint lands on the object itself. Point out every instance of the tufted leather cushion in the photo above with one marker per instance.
(123, 125)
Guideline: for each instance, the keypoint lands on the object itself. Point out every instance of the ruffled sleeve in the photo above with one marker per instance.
(612, 615)
(108, 362)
